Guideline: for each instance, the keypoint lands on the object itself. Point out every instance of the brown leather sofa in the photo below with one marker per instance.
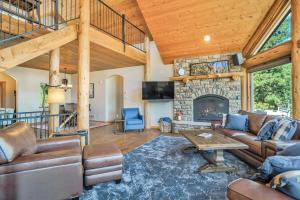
(258, 150)
(52, 171)
(244, 189)
(54, 168)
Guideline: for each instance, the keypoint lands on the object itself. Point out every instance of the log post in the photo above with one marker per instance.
(244, 89)
(54, 80)
(83, 66)
(147, 74)
(295, 4)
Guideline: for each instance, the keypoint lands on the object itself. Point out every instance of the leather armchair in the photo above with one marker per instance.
(53, 172)
(133, 120)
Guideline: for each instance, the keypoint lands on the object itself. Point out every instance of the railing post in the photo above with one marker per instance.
(56, 14)
(124, 32)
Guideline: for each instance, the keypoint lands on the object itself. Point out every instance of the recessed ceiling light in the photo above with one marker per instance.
(207, 38)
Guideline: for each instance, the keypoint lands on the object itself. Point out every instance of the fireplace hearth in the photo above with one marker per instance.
(209, 108)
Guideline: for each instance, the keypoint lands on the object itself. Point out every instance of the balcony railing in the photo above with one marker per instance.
(21, 17)
(43, 123)
(111, 22)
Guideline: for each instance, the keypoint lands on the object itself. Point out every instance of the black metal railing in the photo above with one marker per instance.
(43, 123)
(21, 17)
(111, 22)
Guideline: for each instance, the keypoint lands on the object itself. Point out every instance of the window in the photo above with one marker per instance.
(281, 34)
(272, 90)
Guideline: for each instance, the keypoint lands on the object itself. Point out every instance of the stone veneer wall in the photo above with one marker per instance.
(186, 93)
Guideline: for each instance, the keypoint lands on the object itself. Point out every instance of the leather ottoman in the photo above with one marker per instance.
(102, 163)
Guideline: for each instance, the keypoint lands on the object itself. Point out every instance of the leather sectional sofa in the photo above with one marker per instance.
(258, 150)
(52, 169)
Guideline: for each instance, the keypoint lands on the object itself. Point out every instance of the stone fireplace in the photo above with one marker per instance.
(210, 108)
(202, 101)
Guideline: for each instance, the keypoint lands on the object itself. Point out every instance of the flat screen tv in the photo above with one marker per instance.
(159, 90)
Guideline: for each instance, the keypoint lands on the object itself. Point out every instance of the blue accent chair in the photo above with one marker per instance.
(133, 120)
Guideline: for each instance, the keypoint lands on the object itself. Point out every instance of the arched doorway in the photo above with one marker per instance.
(7, 91)
(113, 97)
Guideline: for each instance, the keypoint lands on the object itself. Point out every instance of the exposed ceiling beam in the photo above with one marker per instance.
(274, 16)
(272, 54)
(25, 51)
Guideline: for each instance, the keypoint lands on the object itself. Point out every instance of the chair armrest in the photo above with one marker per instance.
(242, 189)
(271, 147)
(56, 143)
(278, 145)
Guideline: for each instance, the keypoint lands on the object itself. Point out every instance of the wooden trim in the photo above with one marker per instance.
(3, 94)
(185, 79)
(25, 51)
(296, 58)
(272, 54)
(115, 45)
(274, 16)
(249, 91)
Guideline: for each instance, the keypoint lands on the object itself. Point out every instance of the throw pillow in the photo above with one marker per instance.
(287, 183)
(286, 130)
(237, 122)
(275, 165)
(266, 132)
(293, 150)
(16, 140)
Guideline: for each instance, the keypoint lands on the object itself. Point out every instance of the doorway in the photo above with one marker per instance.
(7, 91)
(113, 97)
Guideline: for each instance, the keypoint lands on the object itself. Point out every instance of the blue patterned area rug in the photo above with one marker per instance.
(159, 170)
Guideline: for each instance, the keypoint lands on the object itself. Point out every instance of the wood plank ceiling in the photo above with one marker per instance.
(178, 27)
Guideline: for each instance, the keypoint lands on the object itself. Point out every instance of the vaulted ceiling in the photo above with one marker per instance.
(178, 26)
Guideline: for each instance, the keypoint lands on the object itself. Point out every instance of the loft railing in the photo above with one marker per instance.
(43, 123)
(111, 22)
(21, 17)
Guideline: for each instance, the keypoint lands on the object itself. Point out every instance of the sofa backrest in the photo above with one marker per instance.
(256, 121)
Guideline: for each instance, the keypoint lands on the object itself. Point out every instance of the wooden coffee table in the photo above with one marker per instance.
(217, 143)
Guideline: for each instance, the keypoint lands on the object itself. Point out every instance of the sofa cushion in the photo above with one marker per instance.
(251, 140)
(16, 140)
(287, 183)
(293, 150)
(255, 121)
(237, 122)
(286, 130)
(230, 132)
(267, 130)
(134, 121)
(275, 165)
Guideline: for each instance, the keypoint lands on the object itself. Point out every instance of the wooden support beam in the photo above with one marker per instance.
(274, 16)
(147, 77)
(296, 58)
(25, 51)
(272, 54)
(54, 80)
(244, 89)
(83, 66)
(115, 45)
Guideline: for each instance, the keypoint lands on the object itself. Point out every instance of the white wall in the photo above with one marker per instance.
(28, 87)
(133, 78)
(113, 97)
(159, 72)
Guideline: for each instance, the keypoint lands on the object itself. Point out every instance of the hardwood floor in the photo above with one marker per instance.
(126, 141)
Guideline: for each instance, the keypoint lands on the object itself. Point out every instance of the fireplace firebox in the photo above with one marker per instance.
(209, 108)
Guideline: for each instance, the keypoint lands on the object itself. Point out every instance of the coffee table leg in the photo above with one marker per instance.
(215, 163)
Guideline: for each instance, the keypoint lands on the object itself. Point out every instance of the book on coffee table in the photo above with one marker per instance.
(205, 135)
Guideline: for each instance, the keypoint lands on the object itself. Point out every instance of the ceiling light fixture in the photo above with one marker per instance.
(207, 38)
